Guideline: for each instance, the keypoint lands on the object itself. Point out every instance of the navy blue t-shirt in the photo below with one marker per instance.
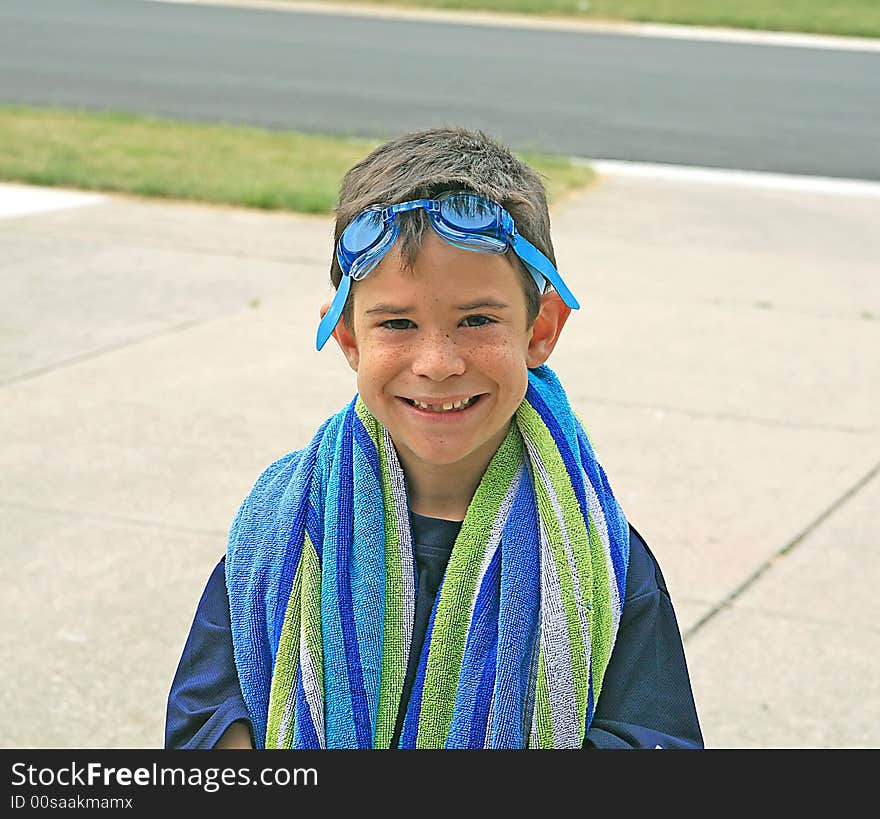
(646, 698)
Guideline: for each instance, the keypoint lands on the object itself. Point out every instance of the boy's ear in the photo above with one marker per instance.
(547, 328)
(345, 339)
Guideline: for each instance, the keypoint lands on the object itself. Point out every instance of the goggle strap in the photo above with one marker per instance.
(428, 205)
(535, 260)
(332, 316)
(539, 280)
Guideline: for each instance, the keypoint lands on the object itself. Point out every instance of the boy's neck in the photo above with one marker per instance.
(441, 491)
(440, 494)
(446, 490)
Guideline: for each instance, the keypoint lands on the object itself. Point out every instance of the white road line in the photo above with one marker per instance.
(743, 179)
(480, 18)
(21, 200)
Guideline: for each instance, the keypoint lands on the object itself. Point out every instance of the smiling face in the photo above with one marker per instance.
(442, 353)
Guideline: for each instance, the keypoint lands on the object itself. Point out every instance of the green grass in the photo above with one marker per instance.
(222, 164)
(845, 17)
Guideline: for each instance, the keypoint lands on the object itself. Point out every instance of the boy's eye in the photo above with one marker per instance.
(477, 321)
(397, 324)
(406, 324)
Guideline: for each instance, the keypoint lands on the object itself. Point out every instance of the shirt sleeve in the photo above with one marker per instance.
(646, 699)
(205, 697)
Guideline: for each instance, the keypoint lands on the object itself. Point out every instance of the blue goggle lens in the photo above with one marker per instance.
(468, 212)
(363, 232)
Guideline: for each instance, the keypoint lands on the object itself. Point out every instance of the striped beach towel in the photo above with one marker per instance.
(321, 581)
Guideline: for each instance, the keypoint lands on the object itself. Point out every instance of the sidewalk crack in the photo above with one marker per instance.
(809, 529)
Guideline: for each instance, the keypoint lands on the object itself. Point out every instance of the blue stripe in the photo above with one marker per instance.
(302, 480)
(572, 467)
(590, 703)
(337, 692)
(618, 528)
(368, 568)
(481, 651)
(367, 446)
(518, 620)
(413, 712)
(304, 733)
(481, 639)
(360, 711)
(484, 701)
(315, 531)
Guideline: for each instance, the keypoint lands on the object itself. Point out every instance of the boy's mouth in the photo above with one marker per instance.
(446, 406)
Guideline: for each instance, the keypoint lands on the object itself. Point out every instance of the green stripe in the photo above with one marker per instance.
(543, 713)
(452, 620)
(536, 430)
(310, 618)
(394, 648)
(303, 616)
(286, 662)
(601, 616)
(602, 620)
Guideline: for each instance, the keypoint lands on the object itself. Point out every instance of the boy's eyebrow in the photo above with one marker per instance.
(389, 308)
(398, 311)
(497, 305)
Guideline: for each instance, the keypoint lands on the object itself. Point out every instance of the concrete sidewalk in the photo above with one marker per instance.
(155, 357)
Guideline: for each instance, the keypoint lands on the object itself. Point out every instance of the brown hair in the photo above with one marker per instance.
(424, 164)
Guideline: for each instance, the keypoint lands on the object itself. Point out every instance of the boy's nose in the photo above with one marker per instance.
(436, 355)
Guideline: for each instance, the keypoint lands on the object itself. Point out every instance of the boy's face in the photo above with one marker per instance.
(452, 330)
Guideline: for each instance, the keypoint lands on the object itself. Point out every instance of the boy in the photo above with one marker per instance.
(445, 564)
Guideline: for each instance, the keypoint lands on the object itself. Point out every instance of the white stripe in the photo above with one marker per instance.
(490, 721)
(290, 703)
(494, 539)
(601, 524)
(530, 711)
(500, 19)
(757, 180)
(533, 734)
(287, 717)
(557, 653)
(569, 551)
(398, 494)
(314, 694)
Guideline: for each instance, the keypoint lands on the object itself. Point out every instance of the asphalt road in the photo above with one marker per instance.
(754, 107)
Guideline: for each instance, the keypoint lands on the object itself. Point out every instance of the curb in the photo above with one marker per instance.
(501, 19)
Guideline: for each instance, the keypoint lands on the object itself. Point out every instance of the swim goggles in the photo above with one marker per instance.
(465, 220)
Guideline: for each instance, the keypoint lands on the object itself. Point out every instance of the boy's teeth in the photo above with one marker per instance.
(446, 406)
